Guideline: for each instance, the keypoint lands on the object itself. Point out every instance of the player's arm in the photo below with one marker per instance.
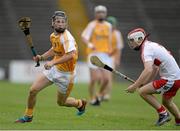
(150, 70)
(66, 57)
(144, 78)
(86, 35)
(45, 56)
(146, 75)
(69, 45)
(87, 42)
(116, 53)
(117, 58)
(120, 46)
(155, 72)
(111, 50)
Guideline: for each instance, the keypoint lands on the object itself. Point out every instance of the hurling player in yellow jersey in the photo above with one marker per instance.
(97, 37)
(59, 70)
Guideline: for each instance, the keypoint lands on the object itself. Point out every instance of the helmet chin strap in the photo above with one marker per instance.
(137, 48)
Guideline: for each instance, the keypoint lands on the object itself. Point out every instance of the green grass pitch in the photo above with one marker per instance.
(124, 111)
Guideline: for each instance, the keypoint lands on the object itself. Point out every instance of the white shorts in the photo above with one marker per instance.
(104, 57)
(63, 80)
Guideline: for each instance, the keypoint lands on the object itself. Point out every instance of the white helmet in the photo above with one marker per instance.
(100, 8)
(136, 34)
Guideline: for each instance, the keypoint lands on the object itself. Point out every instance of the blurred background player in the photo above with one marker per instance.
(117, 46)
(156, 59)
(97, 37)
(60, 70)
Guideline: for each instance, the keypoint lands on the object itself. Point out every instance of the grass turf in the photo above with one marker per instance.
(124, 111)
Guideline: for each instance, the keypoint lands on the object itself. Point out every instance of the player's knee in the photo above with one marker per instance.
(93, 81)
(60, 102)
(141, 92)
(105, 80)
(33, 92)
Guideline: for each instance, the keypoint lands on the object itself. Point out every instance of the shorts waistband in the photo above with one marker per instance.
(64, 72)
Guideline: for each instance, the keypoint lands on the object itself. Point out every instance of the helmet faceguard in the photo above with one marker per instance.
(57, 15)
(136, 38)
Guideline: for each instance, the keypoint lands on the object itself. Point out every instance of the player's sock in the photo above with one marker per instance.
(177, 122)
(161, 110)
(79, 103)
(163, 116)
(28, 112)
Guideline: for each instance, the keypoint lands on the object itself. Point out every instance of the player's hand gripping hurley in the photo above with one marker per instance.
(96, 61)
(24, 24)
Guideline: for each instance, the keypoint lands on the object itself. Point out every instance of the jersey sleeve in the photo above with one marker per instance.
(148, 54)
(88, 31)
(50, 38)
(120, 44)
(69, 42)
